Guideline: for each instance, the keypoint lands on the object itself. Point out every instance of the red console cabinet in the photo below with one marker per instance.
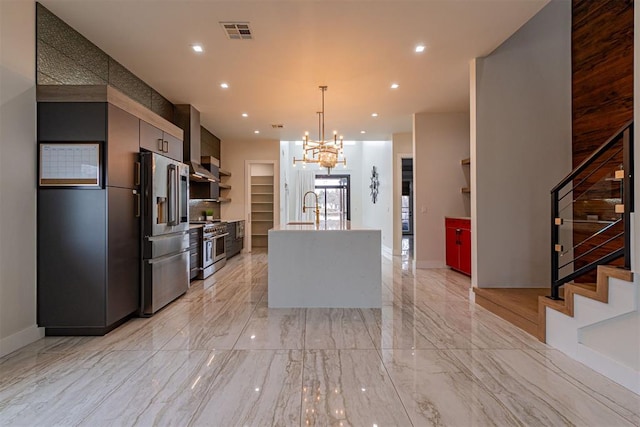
(458, 244)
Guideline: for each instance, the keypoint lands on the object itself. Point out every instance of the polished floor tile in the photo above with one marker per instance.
(349, 387)
(218, 356)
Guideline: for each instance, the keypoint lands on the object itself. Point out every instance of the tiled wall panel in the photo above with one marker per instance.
(161, 105)
(62, 69)
(123, 80)
(65, 57)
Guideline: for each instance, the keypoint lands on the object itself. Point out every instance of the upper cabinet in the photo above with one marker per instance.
(123, 147)
(154, 139)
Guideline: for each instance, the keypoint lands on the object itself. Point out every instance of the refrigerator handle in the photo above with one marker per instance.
(172, 195)
(136, 195)
(136, 174)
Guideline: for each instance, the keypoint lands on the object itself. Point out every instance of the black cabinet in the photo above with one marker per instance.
(234, 241)
(195, 244)
(123, 253)
(88, 254)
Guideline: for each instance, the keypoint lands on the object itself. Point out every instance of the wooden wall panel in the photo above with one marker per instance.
(602, 85)
(602, 62)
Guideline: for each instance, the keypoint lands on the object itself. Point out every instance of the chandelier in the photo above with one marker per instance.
(326, 153)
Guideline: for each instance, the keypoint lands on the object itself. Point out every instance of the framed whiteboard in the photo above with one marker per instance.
(69, 164)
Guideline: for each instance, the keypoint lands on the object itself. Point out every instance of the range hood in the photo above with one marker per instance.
(197, 172)
(188, 118)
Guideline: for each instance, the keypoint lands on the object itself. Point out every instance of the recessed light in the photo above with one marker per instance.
(197, 48)
(395, 85)
(256, 131)
(224, 85)
(374, 114)
(245, 115)
(420, 48)
(363, 131)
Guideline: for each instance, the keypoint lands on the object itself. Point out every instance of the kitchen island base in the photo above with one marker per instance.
(312, 266)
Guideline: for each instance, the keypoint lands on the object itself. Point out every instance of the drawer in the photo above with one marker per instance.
(457, 223)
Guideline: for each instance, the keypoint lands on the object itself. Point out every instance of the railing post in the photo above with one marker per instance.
(554, 240)
(627, 183)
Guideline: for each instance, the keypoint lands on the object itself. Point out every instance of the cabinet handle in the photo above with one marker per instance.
(136, 173)
(166, 146)
(137, 203)
(160, 145)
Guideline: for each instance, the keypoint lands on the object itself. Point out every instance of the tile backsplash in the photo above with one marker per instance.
(198, 207)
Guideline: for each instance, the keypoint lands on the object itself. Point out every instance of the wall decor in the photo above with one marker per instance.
(375, 184)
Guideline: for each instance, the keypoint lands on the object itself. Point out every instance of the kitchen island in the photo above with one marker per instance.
(327, 265)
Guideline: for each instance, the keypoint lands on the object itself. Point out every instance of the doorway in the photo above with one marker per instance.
(406, 201)
(334, 196)
(406, 210)
(262, 197)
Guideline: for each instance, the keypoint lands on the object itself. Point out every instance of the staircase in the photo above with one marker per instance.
(597, 324)
(592, 311)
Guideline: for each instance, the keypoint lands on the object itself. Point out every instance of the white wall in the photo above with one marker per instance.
(234, 154)
(402, 148)
(378, 215)
(17, 176)
(441, 140)
(521, 149)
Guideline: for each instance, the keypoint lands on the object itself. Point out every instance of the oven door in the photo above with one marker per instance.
(207, 251)
(219, 251)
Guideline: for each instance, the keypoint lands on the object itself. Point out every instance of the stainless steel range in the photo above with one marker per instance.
(214, 255)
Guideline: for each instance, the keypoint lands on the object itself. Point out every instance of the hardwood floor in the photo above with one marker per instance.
(219, 356)
(518, 306)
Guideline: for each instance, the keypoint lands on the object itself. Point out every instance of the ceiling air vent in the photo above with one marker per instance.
(237, 30)
(277, 126)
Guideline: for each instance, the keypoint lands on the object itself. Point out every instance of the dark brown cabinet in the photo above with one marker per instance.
(154, 139)
(123, 139)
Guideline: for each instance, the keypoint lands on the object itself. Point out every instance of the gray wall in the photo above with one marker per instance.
(521, 148)
(17, 176)
(65, 57)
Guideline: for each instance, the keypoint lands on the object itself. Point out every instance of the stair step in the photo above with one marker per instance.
(597, 291)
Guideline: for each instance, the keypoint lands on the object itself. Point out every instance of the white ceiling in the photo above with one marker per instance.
(357, 48)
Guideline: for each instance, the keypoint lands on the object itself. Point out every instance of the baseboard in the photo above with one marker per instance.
(387, 252)
(610, 368)
(429, 264)
(20, 339)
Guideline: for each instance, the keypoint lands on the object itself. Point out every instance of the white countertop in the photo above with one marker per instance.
(232, 220)
(323, 226)
(458, 217)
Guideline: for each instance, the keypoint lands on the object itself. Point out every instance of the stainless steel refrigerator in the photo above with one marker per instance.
(165, 231)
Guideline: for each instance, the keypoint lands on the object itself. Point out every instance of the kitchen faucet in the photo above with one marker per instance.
(304, 206)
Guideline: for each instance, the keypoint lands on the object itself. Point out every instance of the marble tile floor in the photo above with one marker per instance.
(218, 356)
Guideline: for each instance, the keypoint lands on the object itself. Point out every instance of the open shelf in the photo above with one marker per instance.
(262, 195)
(224, 172)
